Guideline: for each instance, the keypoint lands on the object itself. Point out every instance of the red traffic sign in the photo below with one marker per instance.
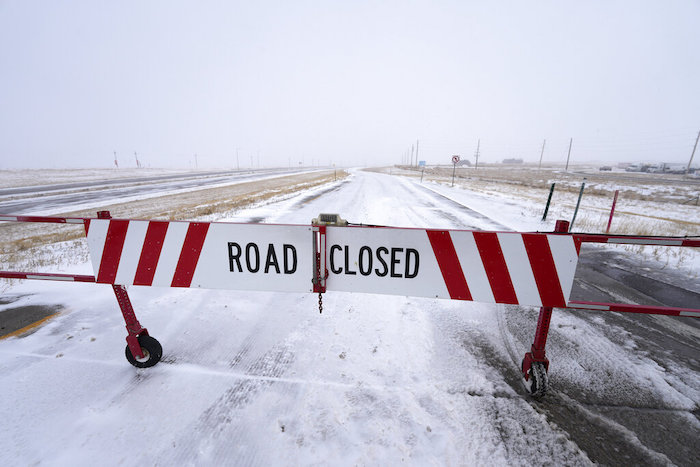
(455, 159)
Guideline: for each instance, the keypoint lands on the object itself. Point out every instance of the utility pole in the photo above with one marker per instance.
(416, 152)
(138, 164)
(567, 157)
(541, 154)
(412, 148)
(687, 170)
(476, 154)
(116, 163)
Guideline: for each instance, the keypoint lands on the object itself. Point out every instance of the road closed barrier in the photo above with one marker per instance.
(494, 267)
(527, 269)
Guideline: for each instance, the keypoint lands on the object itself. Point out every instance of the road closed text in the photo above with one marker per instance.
(381, 261)
(264, 258)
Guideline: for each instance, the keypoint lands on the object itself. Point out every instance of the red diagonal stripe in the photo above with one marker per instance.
(495, 267)
(150, 253)
(189, 256)
(112, 252)
(448, 261)
(544, 270)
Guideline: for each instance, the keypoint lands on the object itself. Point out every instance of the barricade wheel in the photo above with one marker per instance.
(538, 380)
(152, 351)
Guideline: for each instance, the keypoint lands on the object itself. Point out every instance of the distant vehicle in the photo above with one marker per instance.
(463, 163)
(633, 168)
(512, 161)
(605, 168)
(671, 168)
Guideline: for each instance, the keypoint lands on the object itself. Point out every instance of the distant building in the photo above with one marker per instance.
(512, 161)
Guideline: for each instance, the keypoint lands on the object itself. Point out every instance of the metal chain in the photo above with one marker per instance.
(318, 279)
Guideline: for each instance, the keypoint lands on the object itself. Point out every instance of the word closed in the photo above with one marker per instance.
(381, 261)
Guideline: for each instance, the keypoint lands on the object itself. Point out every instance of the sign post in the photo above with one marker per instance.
(455, 159)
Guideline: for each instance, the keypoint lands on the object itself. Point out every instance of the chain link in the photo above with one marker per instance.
(318, 279)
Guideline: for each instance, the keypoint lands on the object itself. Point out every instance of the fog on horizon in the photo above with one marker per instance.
(347, 83)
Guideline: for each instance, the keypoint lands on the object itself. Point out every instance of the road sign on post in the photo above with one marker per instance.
(455, 159)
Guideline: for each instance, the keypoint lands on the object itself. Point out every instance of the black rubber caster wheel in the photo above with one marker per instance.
(152, 351)
(538, 380)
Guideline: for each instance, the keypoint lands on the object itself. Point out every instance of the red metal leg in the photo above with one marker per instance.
(537, 353)
(133, 326)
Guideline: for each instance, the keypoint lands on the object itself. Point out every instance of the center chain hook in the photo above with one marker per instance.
(318, 279)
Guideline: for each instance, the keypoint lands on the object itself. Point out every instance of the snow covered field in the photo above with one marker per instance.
(260, 378)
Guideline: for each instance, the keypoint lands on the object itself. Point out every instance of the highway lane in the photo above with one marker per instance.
(64, 197)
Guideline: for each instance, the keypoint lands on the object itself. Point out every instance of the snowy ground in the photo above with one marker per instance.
(263, 379)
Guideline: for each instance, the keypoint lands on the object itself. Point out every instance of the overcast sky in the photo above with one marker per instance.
(345, 82)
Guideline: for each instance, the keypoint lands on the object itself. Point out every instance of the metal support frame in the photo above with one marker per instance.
(537, 352)
(133, 326)
(320, 273)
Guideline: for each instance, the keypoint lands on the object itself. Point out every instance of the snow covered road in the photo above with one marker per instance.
(257, 378)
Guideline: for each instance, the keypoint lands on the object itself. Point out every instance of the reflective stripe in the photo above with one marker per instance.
(131, 252)
(588, 306)
(694, 314)
(7, 218)
(50, 278)
(172, 248)
(519, 267)
(643, 241)
(474, 271)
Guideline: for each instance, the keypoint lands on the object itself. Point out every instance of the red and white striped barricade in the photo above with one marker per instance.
(527, 269)
(495, 267)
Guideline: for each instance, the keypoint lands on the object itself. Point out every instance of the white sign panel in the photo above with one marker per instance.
(202, 254)
(385, 261)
